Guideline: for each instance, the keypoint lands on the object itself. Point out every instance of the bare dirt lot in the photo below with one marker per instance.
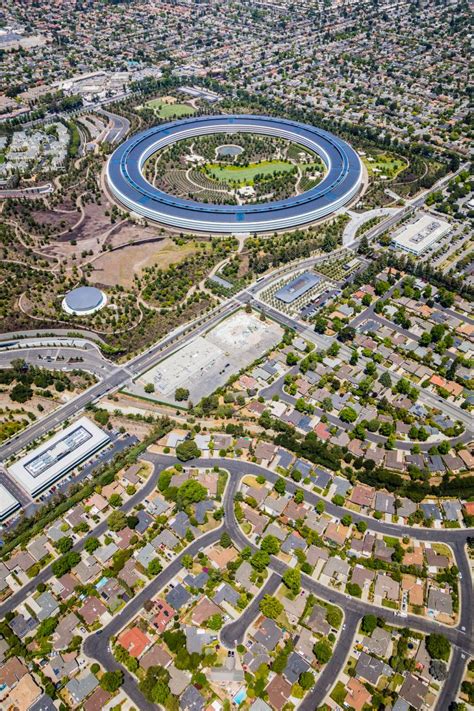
(119, 267)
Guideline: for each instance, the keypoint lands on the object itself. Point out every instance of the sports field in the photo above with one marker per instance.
(236, 174)
(164, 110)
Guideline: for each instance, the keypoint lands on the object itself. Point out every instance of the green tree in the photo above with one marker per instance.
(270, 544)
(215, 622)
(270, 606)
(225, 540)
(369, 623)
(181, 394)
(280, 486)
(111, 681)
(306, 680)
(438, 646)
(292, 580)
(348, 414)
(63, 565)
(154, 566)
(191, 492)
(260, 561)
(149, 388)
(187, 450)
(91, 544)
(117, 521)
(322, 651)
(64, 544)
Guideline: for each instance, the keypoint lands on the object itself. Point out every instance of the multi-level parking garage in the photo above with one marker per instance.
(128, 184)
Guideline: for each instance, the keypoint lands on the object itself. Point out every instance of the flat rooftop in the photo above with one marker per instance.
(297, 287)
(8, 503)
(42, 467)
(416, 237)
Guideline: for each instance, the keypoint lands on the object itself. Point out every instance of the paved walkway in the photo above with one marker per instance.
(350, 231)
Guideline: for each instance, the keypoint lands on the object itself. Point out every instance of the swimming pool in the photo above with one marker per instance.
(240, 696)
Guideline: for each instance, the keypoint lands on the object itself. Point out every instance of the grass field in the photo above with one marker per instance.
(169, 110)
(384, 164)
(237, 174)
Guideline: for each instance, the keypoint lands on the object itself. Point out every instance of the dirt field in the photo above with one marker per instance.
(119, 267)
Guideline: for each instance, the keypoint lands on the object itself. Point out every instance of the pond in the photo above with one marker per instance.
(229, 149)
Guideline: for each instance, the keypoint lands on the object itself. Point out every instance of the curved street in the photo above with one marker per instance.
(97, 645)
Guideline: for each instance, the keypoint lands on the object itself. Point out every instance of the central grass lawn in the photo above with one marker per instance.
(168, 110)
(234, 173)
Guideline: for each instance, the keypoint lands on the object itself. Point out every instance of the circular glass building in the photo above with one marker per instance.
(341, 183)
(84, 300)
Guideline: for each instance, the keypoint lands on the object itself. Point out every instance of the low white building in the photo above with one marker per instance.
(40, 469)
(417, 237)
(8, 503)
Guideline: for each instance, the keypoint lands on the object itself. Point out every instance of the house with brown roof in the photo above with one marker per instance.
(92, 610)
(12, 671)
(204, 610)
(386, 588)
(279, 691)
(414, 556)
(362, 495)
(134, 641)
(336, 534)
(157, 656)
(265, 451)
(414, 586)
(164, 613)
(24, 694)
(219, 557)
(357, 695)
(97, 700)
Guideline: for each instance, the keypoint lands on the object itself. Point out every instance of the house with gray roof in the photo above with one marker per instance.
(268, 634)
(48, 606)
(165, 539)
(178, 597)
(192, 700)
(80, 688)
(431, 510)
(243, 575)
(317, 620)
(407, 507)
(295, 666)
(379, 641)
(38, 548)
(145, 555)
(197, 639)
(337, 569)
(452, 510)
(144, 521)
(181, 523)
(440, 601)
(385, 503)
(105, 553)
(226, 593)
(293, 543)
(255, 656)
(371, 669)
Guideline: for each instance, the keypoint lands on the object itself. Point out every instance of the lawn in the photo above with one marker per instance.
(338, 694)
(236, 174)
(385, 164)
(169, 110)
